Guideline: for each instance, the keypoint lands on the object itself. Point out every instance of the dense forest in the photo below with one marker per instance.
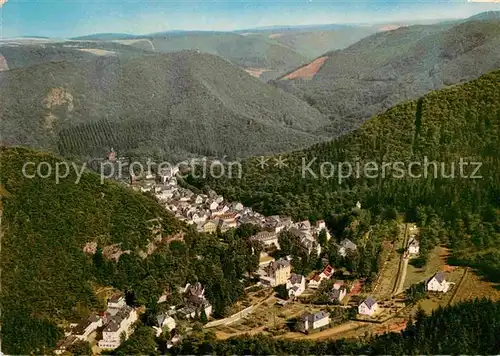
(468, 328)
(174, 105)
(48, 280)
(446, 129)
(389, 67)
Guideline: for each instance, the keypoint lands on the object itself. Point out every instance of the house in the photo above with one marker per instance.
(327, 272)
(117, 301)
(310, 244)
(199, 218)
(338, 292)
(213, 205)
(198, 199)
(313, 321)
(304, 225)
(346, 246)
(368, 307)
(164, 321)
(413, 246)
(118, 328)
(358, 205)
(172, 182)
(307, 241)
(267, 238)
(63, 345)
(83, 330)
(316, 280)
(274, 225)
(237, 206)
(209, 227)
(295, 285)
(194, 289)
(167, 173)
(194, 296)
(225, 225)
(437, 283)
(277, 273)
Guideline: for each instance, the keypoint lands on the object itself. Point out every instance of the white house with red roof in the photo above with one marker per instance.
(327, 273)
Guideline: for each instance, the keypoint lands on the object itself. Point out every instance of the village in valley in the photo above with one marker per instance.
(328, 303)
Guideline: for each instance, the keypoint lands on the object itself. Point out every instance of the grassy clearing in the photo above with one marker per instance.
(436, 263)
(475, 286)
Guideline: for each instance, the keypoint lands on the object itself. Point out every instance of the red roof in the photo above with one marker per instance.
(316, 278)
(328, 271)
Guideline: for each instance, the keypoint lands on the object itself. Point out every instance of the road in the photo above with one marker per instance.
(403, 266)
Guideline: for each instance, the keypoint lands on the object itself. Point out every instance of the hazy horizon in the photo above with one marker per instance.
(60, 19)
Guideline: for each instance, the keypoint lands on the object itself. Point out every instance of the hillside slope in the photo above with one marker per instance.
(26, 53)
(315, 42)
(244, 51)
(455, 195)
(461, 121)
(387, 68)
(46, 276)
(61, 245)
(175, 104)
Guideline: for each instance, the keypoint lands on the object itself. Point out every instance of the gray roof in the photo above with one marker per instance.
(312, 317)
(94, 318)
(160, 318)
(439, 277)
(335, 293)
(370, 302)
(112, 326)
(296, 278)
(195, 289)
(348, 244)
(115, 298)
(413, 242)
(296, 232)
(282, 263)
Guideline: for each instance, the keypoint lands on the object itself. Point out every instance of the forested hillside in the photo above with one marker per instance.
(47, 278)
(239, 49)
(171, 105)
(26, 53)
(445, 127)
(386, 68)
(466, 328)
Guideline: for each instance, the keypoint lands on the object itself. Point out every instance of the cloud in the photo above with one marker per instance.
(3, 2)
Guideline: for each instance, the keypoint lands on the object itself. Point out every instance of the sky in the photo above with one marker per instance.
(69, 18)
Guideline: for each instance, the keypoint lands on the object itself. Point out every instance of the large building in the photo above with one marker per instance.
(277, 273)
(267, 238)
(118, 327)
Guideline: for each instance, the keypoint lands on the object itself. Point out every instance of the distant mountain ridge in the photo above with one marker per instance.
(176, 104)
(386, 68)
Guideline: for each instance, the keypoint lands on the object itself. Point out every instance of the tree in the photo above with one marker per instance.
(203, 317)
(281, 291)
(323, 238)
(80, 348)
